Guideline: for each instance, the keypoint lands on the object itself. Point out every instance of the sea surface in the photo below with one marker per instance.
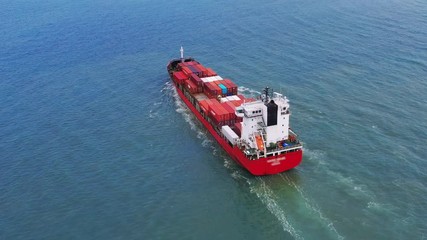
(95, 143)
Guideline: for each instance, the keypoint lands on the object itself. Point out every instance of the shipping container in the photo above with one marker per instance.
(210, 72)
(217, 88)
(224, 99)
(234, 98)
(204, 105)
(196, 80)
(208, 79)
(190, 86)
(229, 134)
(202, 70)
(231, 105)
(231, 85)
(212, 79)
(229, 109)
(207, 89)
(179, 77)
(191, 63)
(228, 99)
(212, 89)
(224, 111)
(229, 88)
(223, 89)
(187, 71)
(237, 103)
(218, 114)
(194, 69)
(186, 64)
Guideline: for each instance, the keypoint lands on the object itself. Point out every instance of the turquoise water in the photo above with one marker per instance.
(95, 144)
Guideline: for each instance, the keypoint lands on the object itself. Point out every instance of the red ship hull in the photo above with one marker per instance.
(263, 166)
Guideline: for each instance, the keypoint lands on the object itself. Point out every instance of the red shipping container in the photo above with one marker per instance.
(179, 77)
(192, 88)
(190, 63)
(187, 71)
(194, 69)
(210, 72)
(225, 114)
(229, 109)
(180, 65)
(218, 90)
(237, 103)
(185, 64)
(207, 89)
(204, 105)
(234, 108)
(218, 113)
(230, 103)
(232, 86)
(211, 89)
(215, 115)
(196, 80)
(203, 70)
(210, 102)
(229, 88)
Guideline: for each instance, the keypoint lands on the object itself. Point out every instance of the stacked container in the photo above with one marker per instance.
(179, 77)
(223, 88)
(191, 87)
(218, 114)
(230, 109)
(210, 72)
(232, 87)
(197, 81)
(212, 90)
(203, 72)
(205, 105)
(187, 71)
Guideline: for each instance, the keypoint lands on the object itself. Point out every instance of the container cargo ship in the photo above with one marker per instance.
(254, 132)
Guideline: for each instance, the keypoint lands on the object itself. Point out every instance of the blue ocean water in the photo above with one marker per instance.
(95, 143)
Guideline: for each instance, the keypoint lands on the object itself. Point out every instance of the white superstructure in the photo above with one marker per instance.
(265, 122)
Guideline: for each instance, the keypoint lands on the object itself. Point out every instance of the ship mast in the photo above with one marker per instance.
(266, 95)
(182, 54)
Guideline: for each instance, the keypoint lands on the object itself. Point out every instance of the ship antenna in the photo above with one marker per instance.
(182, 54)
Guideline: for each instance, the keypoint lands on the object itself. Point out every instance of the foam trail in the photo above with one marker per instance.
(312, 206)
(266, 195)
(258, 186)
